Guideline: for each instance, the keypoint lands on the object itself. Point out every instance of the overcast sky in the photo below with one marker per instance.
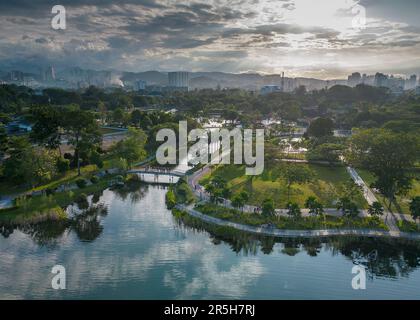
(307, 38)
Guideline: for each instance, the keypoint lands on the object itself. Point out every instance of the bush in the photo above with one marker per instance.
(94, 179)
(63, 165)
(170, 199)
(81, 183)
(49, 191)
(119, 178)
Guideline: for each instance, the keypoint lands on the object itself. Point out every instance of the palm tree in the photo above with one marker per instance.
(376, 209)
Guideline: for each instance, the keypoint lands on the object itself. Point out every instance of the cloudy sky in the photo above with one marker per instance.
(322, 39)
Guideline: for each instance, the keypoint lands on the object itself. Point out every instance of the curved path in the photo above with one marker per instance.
(267, 231)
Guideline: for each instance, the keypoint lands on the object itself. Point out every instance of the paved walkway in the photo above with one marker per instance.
(370, 197)
(269, 231)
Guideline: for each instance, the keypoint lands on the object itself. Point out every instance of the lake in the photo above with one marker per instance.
(128, 245)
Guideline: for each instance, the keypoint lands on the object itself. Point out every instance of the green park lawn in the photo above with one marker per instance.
(300, 223)
(403, 201)
(325, 186)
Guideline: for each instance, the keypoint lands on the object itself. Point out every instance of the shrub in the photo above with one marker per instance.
(81, 183)
(49, 191)
(170, 199)
(94, 179)
(63, 165)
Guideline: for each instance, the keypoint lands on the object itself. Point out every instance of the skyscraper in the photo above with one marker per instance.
(354, 79)
(49, 74)
(179, 79)
(381, 80)
(411, 83)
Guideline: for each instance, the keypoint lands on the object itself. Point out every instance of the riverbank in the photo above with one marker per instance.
(194, 182)
(274, 232)
(38, 208)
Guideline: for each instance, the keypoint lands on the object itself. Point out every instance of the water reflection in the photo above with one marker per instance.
(381, 257)
(85, 221)
(126, 244)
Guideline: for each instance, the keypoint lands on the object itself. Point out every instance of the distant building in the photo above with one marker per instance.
(381, 80)
(411, 83)
(140, 85)
(49, 74)
(396, 84)
(354, 79)
(179, 79)
(270, 89)
(15, 75)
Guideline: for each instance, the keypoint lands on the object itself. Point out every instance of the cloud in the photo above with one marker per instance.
(142, 35)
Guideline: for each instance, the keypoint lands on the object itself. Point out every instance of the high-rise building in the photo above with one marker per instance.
(354, 79)
(49, 74)
(16, 76)
(140, 85)
(381, 80)
(411, 83)
(179, 79)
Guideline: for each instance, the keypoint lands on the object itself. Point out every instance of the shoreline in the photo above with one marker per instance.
(280, 233)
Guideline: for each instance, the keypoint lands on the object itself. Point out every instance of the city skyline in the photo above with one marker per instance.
(266, 37)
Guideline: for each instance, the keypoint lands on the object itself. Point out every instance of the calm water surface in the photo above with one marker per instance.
(127, 245)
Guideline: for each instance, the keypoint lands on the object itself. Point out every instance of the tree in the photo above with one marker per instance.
(217, 188)
(388, 155)
(3, 140)
(102, 111)
(83, 131)
(238, 201)
(415, 207)
(118, 116)
(294, 173)
(314, 206)
(136, 117)
(46, 129)
(133, 147)
(349, 189)
(29, 164)
(321, 127)
(244, 195)
(376, 209)
(347, 207)
(268, 207)
(330, 152)
(293, 210)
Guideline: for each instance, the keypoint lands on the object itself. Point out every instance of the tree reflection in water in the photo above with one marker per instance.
(134, 188)
(87, 224)
(84, 222)
(382, 257)
(84, 217)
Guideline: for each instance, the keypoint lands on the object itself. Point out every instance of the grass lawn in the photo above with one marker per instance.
(302, 223)
(402, 201)
(326, 185)
(8, 188)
